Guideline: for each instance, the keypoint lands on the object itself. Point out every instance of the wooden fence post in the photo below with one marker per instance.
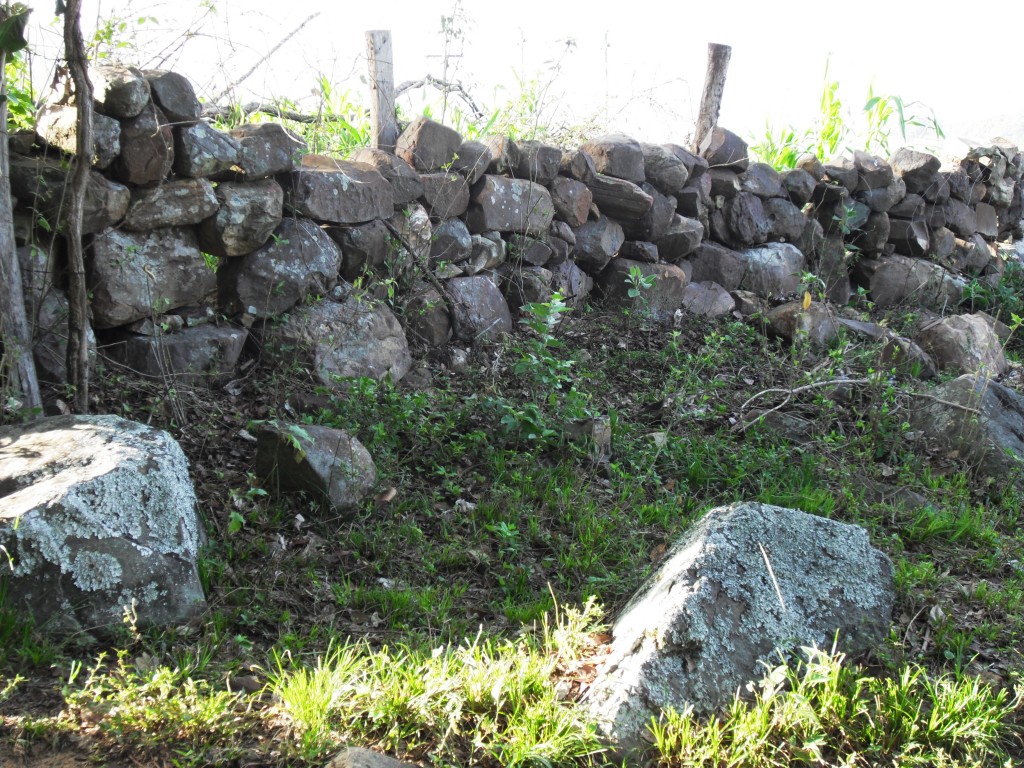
(711, 99)
(380, 61)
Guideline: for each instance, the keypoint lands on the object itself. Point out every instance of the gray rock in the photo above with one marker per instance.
(527, 286)
(815, 325)
(246, 217)
(618, 198)
(356, 338)
(406, 185)
(43, 181)
(842, 172)
(762, 180)
(175, 96)
(488, 253)
(201, 150)
(618, 156)
(872, 172)
(696, 166)
(659, 302)
(707, 300)
(910, 206)
(472, 160)
(725, 183)
(832, 268)
(427, 145)
(100, 520)
(894, 280)
(986, 221)
(355, 757)
(982, 420)
(747, 582)
(773, 270)
(572, 200)
(451, 242)
(785, 220)
(572, 282)
(884, 199)
(445, 194)
(337, 191)
(655, 223)
(478, 310)
(873, 234)
(118, 91)
(746, 219)
(538, 162)
(909, 238)
(415, 231)
(799, 185)
(727, 150)
(961, 218)
(937, 192)
(529, 251)
(267, 149)
(147, 148)
(174, 204)
(133, 275)
(578, 166)
(638, 250)
(664, 169)
(426, 316)
(917, 169)
(58, 126)
(681, 239)
(509, 205)
(202, 356)
(328, 464)
(596, 243)
(49, 318)
(299, 258)
(504, 154)
(964, 344)
(365, 248)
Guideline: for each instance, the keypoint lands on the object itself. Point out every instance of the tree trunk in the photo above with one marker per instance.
(15, 332)
(78, 298)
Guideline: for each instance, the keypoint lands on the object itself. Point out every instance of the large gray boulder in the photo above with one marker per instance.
(509, 205)
(337, 191)
(894, 280)
(982, 420)
(246, 216)
(205, 355)
(748, 581)
(771, 271)
(327, 463)
(99, 517)
(478, 310)
(659, 302)
(964, 344)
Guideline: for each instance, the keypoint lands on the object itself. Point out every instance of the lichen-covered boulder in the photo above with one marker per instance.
(99, 517)
(748, 581)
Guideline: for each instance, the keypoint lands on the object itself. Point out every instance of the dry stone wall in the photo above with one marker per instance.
(197, 236)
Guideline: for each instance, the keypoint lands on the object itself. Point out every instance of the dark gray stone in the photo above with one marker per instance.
(745, 217)
(478, 310)
(785, 220)
(799, 185)
(337, 191)
(58, 126)
(504, 154)
(762, 180)
(509, 205)
(147, 148)
(451, 242)
(654, 224)
(727, 150)
(894, 280)
(426, 316)
(267, 149)
(445, 194)
(619, 198)
(299, 258)
(577, 165)
(638, 250)
(200, 150)
(617, 156)
(472, 160)
(328, 464)
(406, 184)
(961, 218)
(202, 356)
(658, 302)
(572, 200)
(427, 145)
(664, 169)
(174, 204)
(707, 300)
(682, 238)
(43, 182)
(964, 344)
(572, 282)
(133, 275)
(872, 236)
(175, 96)
(596, 243)
(246, 217)
(725, 183)
(917, 169)
(773, 270)
(364, 248)
(119, 91)
(538, 162)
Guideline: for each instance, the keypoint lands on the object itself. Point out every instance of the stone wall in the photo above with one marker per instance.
(198, 237)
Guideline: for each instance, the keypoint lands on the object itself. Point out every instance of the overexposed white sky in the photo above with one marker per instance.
(636, 67)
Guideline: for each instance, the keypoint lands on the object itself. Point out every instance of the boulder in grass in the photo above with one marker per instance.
(328, 464)
(748, 582)
(99, 517)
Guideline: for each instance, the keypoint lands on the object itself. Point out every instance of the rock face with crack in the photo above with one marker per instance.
(99, 517)
(747, 582)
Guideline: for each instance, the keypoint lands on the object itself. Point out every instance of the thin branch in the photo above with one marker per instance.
(265, 57)
(445, 87)
(273, 110)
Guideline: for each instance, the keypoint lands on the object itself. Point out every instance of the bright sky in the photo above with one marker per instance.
(638, 67)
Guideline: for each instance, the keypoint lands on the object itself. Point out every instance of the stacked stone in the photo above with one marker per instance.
(188, 223)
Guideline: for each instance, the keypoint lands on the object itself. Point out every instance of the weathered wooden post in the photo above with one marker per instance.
(711, 99)
(380, 61)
